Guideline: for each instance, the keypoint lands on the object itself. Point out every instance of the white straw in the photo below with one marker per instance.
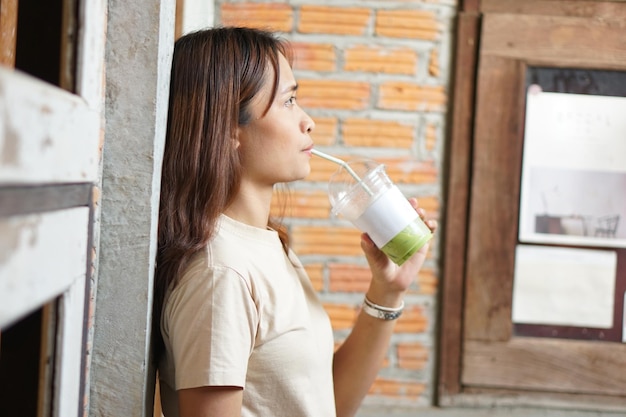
(343, 164)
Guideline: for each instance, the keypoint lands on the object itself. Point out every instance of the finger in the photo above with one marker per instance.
(372, 253)
(367, 240)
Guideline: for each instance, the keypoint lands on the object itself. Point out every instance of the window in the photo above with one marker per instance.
(50, 130)
(492, 354)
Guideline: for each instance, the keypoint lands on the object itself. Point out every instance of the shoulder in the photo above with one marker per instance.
(203, 277)
(205, 289)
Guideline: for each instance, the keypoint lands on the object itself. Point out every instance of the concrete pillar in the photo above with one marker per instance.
(140, 37)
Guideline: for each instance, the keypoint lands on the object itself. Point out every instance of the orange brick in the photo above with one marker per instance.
(427, 282)
(410, 24)
(408, 171)
(308, 240)
(308, 204)
(342, 316)
(325, 132)
(412, 320)
(379, 59)
(430, 204)
(413, 356)
(396, 389)
(314, 57)
(397, 95)
(333, 94)
(273, 16)
(356, 278)
(434, 70)
(334, 20)
(349, 278)
(380, 133)
(400, 170)
(316, 275)
(430, 136)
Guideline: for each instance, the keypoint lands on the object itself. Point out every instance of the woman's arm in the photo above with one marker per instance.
(210, 402)
(358, 360)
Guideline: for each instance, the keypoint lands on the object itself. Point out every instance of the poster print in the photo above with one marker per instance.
(573, 189)
(564, 286)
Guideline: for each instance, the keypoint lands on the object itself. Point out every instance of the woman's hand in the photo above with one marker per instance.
(390, 281)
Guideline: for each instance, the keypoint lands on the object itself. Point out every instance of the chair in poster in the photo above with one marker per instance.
(607, 225)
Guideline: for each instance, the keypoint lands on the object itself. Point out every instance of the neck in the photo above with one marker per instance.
(251, 205)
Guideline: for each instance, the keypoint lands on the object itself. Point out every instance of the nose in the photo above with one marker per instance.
(307, 123)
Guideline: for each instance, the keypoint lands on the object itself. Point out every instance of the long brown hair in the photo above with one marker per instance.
(215, 75)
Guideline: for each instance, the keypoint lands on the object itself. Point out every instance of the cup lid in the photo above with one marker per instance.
(343, 183)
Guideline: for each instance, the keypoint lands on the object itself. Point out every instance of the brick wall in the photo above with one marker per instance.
(374, 76)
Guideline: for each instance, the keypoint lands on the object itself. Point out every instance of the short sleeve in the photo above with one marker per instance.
(212, 322)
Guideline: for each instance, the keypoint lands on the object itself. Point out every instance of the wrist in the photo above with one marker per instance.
(385, 298)
(381, 312)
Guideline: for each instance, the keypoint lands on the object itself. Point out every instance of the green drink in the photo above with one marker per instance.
(411, 239)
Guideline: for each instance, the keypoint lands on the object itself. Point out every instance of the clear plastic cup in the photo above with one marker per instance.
(377, 207)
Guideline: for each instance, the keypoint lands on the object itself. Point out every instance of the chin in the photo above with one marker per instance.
(306, 173)
(300, 176)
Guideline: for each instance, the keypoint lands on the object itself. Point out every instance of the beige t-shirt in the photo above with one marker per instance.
(245, 314)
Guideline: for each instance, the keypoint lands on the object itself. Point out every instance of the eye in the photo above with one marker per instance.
(291, 101)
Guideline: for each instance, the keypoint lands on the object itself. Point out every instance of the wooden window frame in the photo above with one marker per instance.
(52, 143)
(483, 193)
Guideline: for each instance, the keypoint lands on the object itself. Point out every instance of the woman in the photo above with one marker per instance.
(243, 332)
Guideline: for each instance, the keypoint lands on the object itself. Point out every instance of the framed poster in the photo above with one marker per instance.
(570, 259)
(573, 185)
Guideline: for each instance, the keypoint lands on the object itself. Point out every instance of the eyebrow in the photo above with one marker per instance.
(291, 88)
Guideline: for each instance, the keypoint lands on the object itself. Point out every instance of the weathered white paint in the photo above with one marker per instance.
(90, 47)
(90, 52)
(69, 350)
(41, 256)
(46, 134)
(197, 14)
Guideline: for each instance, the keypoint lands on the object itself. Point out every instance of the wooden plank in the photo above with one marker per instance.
(577, 42)
(547, 365)
(28, 200)
(46, 358)
(90, 84)
(178, 22)
(497, 368)
(70, 349)
(8, 32)
(67, 59)
(577, 8)
(47, 135)
(544, 402)
(469, 6)
(455, 232)
(497, 154)
(41, 255)
(90, 49)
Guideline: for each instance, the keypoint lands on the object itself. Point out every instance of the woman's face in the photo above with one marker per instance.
(276, 147)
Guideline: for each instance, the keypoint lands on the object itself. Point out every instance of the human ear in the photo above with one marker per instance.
(235, 140)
